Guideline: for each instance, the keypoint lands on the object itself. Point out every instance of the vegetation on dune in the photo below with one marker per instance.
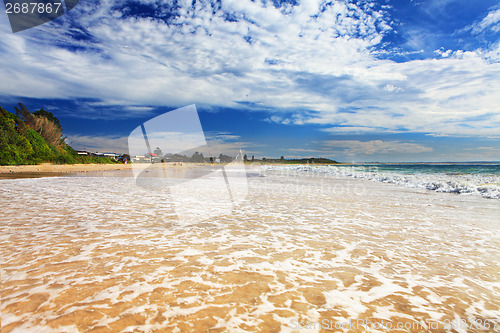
(34, 138)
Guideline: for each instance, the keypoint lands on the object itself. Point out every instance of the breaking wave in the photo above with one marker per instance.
(449, 178)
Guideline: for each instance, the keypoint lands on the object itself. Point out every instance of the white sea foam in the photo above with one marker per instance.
(88, 252)
(484, 185)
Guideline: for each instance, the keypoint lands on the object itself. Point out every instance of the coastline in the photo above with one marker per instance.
(99, 254)
(54, 170)
(71, 168)
(61, 168)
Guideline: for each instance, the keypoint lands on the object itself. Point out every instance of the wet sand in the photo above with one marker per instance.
(111, 170)
(99, 254)
(48, 169)
(16, 175)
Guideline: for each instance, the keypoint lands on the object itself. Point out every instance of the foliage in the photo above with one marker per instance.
(225, 159)
(125, 157)
(25, 115)
(34, 138)
(158, 151)
(197, 158)
(49, 131)
(42, 113)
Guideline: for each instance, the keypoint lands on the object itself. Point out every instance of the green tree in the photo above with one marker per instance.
(46, 124)
(29, 139)
(197, 158)
(25, 115)
(224, 158)
(48, 115)
(125, 157)
(158, 152)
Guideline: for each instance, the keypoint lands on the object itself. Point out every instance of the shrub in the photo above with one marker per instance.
(27, 138)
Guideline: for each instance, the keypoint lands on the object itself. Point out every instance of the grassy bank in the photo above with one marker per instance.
(33, 138)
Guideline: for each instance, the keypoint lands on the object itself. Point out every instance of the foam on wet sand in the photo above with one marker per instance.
(100, 253)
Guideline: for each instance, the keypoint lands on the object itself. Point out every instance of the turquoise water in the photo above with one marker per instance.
(481, 179)
(433, 168)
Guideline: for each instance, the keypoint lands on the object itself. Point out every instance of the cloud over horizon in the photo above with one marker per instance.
(348, 67)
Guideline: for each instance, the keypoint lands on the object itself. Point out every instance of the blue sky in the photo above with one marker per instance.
(350, 80)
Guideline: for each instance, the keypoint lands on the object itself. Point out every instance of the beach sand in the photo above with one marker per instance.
(61, 168)
(301, 254)
(57, 170)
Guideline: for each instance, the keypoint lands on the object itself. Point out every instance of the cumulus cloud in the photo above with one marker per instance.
(356, 147)
(197, 56)
(315, 60)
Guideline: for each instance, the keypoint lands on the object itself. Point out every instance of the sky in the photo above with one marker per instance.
(355, 81)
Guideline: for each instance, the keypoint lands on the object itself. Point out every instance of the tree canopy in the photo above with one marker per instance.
(30, 138)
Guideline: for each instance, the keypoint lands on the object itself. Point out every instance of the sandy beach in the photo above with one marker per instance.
(62, 168)
(48, 168)
(300, 254)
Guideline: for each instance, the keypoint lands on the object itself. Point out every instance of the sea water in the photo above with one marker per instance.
(481, 179)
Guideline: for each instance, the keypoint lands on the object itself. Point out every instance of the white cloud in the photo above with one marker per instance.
(225, 136)
(199, 57)
(443, 53)
(353, 130)
(356, 147)
(313, 58)
(479, 154)
(141, 109)
(491, 21)
(225, 143)
(98, 143)
(492, 149)
(292, 119)
(452, 96)
(392, 88)
(493, 53)
(307, 150)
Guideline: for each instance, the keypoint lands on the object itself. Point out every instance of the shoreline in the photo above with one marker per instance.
(94, 167)
(368, 251)
(70, 168)
(61, 168)
(51, 170)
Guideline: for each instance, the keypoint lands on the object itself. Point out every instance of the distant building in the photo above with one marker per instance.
(139, 159)
(83, 153)
(146, 158)
(153, 157)
(113, 156)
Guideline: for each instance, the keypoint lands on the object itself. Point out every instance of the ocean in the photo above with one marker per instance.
(479, 178)
(311, 249)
